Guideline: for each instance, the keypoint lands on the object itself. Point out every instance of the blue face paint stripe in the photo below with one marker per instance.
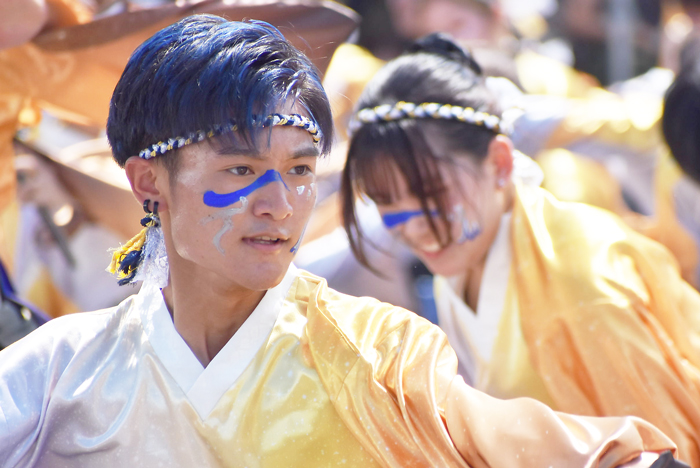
(391, 220)
(223, 200)
(470, 231)
(298, 244)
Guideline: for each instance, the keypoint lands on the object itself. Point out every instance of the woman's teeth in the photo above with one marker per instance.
(432, 248)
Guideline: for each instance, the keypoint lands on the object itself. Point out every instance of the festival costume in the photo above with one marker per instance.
(312, 378)
(584, 314)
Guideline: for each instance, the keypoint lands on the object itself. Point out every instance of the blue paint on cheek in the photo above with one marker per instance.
(298, 244)
(391, 220)
(470, 231)
(222, 200)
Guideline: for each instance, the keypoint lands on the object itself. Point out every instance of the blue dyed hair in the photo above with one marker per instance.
(205, 71)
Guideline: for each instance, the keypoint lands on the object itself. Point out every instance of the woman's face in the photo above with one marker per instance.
(475, 202)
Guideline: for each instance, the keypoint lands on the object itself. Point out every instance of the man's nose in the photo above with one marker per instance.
(273, 200)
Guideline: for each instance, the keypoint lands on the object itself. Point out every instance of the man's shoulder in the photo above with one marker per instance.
(364, 321)
(65, 336)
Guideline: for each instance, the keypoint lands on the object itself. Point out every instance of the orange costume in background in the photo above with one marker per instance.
(610, 326)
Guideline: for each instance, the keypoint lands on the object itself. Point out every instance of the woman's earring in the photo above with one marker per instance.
(144, 257)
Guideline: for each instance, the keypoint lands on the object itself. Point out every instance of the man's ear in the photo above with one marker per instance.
(500, 153)
(144, 177)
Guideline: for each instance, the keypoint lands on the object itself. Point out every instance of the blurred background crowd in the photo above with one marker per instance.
(586, 84)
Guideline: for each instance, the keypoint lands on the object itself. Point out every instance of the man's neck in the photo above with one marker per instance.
(207, 314)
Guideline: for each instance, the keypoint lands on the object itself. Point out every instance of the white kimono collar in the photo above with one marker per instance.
(205, 386)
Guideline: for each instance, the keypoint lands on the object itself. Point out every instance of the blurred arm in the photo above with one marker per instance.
(525, 432)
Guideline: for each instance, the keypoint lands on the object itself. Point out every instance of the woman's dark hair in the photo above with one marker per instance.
(681, 119)
(434, 69)
(205, 71)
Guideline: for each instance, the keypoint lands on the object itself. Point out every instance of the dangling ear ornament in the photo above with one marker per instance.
(144, 256)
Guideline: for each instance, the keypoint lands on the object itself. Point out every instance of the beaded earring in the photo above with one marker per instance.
(144, 256)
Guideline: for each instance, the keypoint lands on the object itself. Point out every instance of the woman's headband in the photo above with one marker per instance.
(427, 110)
(272, 120)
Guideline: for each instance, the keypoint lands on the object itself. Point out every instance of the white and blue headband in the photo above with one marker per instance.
(428, 110)
(272, 120)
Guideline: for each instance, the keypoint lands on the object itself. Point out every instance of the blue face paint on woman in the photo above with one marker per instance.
(392, 220)
(470, 229)
(223, 200)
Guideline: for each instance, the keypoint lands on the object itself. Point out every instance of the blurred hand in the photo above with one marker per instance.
(39, 185)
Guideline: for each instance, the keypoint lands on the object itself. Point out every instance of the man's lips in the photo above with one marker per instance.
(269, 242)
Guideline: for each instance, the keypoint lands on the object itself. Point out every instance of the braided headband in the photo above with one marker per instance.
(427, 110)
(272, 120)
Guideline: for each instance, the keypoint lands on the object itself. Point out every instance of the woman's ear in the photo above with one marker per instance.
(500, 154)
(143, 175)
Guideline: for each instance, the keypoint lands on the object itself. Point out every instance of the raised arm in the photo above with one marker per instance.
(524, 432)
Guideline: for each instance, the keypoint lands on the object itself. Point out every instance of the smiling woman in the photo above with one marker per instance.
(556, 301)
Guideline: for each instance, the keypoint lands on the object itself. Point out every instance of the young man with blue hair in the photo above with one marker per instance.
(229, 355)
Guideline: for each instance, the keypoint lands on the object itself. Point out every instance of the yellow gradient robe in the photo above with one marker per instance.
(312, 378)
(593, 319)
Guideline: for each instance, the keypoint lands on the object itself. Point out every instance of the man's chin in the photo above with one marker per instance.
(261, 277)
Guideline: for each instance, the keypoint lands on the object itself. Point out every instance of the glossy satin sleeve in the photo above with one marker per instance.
(21, 403)
(30, 369)
(526, 433)
(611, 327)
(392, 379)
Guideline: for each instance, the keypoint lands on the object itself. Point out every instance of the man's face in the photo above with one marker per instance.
(238, 214)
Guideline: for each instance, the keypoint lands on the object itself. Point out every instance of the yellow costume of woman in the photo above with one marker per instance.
(581, 312)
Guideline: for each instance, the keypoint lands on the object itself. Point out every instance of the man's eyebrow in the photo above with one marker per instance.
(235, 150)
(232, 150)
(305, 152)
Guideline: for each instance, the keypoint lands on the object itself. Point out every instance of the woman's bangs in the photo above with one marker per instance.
(376, 153)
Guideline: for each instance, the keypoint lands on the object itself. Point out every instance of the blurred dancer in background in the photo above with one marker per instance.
(556, 301)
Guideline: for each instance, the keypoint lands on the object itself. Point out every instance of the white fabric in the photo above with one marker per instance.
(102, 388)
(205, 386)
(472, 335)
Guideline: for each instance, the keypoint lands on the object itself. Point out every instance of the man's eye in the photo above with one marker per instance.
(300, 170)
(240, 170)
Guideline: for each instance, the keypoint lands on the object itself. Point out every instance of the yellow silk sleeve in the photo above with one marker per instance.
(525, 433)
(391, 377)
(611, 327)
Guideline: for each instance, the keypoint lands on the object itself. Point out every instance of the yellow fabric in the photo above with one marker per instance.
(338, 381)
(279, 413)
(349, 71)
(570, 177)
(542, 75)
(391, 377)
(632, 121)
(44, 294)
(666, 228)
(611, 327)
(510, 373)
